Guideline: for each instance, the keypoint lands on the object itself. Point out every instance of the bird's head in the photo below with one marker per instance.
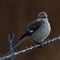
(42, 15)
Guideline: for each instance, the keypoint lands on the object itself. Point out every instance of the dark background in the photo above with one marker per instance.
(15, 15)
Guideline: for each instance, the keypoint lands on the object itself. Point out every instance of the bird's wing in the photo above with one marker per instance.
(33, 26)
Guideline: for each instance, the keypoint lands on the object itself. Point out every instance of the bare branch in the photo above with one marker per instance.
(30, 48)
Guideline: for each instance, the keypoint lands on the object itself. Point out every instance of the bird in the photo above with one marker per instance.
(38, 30)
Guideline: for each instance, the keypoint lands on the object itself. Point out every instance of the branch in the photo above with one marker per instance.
(10, 39)
(30, 48)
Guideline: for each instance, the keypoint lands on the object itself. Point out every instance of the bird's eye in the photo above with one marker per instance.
(43, 17)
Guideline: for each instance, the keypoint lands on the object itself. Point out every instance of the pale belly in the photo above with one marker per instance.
(42, 33)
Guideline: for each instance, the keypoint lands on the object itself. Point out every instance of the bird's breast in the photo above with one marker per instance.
(41, 33)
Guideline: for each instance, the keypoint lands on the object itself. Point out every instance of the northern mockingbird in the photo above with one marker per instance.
(38, 30)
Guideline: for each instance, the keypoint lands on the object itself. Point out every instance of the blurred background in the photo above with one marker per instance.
(15, 15)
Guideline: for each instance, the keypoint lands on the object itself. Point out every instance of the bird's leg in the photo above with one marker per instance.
(39, 43)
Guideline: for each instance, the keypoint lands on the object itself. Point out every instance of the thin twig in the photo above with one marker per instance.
(30, 48)
(10, 39)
